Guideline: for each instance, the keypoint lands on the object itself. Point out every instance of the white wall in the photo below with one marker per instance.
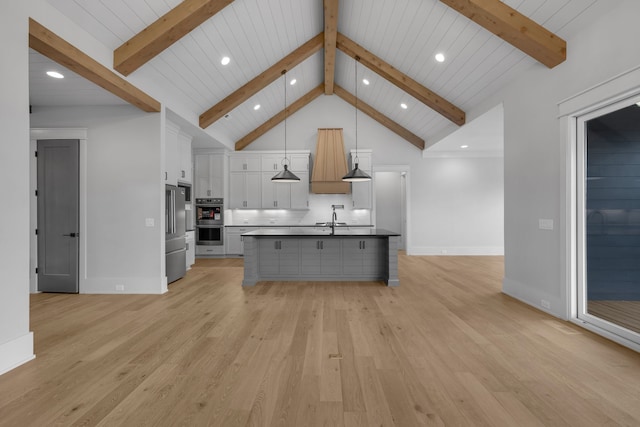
(123, 168)
(460, 196)
(536, 147)
(16, 342)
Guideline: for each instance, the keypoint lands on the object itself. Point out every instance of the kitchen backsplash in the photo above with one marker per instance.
(319, 211)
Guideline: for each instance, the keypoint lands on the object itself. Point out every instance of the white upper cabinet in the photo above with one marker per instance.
(245, 163)
(209, 175)
(245, 190)
(275, 195)
(184, 155)
(171, 160)
(362, 192)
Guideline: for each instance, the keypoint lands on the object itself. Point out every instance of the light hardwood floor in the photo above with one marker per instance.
(444, 348)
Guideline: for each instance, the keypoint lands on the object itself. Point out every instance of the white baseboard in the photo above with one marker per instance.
(456, 251)
(16, 352)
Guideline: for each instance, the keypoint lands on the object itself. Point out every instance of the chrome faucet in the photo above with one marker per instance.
(334, 217)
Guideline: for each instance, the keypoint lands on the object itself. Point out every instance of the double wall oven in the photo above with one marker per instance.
(210, 222)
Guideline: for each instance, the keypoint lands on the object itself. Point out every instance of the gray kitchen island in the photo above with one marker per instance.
(321, 255)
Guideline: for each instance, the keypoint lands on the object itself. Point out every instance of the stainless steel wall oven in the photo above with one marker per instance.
(210, 222)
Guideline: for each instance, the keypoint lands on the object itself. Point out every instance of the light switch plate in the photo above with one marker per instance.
(545, 224)
(150, 222)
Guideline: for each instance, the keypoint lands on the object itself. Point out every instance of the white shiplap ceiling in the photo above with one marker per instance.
(258, 33)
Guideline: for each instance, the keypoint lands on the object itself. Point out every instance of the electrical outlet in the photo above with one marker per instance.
(545, 304)
(120, 288)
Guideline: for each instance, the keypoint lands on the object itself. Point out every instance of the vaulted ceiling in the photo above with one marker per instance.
(179, 46)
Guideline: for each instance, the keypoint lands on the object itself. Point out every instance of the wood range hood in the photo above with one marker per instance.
(330, 164)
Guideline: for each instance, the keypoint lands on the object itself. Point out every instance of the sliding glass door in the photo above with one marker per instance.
(608, 232)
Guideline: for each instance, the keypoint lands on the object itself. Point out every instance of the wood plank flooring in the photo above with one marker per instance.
(444, 348)
(622, 313)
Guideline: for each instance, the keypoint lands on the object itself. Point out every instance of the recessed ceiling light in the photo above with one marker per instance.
(227, 116)
(256, 107)
(440, 57)
(365, 81)
(464, 146)
(225, 60)
(404, 106)
(292, 82)
(55, 75)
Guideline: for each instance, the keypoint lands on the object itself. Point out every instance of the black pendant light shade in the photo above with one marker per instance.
(356, 174)
(286, 175)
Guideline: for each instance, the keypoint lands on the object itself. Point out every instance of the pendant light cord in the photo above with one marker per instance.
(284, 76)
(356, 105)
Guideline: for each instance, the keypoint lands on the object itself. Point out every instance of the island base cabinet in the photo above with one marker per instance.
(363, 257)
(309, 258)
(278, 257)
(321, 257)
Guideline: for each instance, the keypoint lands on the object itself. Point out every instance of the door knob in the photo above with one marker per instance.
(71, 235)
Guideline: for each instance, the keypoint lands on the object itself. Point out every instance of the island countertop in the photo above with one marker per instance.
(339, 232)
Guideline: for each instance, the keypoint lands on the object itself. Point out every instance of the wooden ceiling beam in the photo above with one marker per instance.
(515, 28)
(380, 118)
(59, 50)
(273, 121)
(261, 81)
(330, 36)
(164, 32)
(404, 82)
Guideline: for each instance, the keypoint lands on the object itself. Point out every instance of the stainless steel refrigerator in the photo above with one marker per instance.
(175, 245)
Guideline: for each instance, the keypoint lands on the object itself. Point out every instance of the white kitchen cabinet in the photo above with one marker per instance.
(234, 240)
(191, 248)
(184, 156)
(362, 192)
(171, 160)
(245, 163)
(300, 191)
(275, 195)
(274, 162)
(209, 175)
(299, 162)
(245, 190)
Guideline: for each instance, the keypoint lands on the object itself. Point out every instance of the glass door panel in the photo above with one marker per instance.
(609, 219)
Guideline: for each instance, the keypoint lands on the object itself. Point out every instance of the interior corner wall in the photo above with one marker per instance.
(536, 146)
(16, 342)
(123, 182)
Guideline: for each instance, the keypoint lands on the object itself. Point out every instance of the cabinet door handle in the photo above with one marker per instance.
(166, 176)
(321, 245)
(364, 245)
(183, 174)
(208, 192)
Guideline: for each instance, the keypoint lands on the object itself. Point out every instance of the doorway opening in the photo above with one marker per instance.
(391, 212)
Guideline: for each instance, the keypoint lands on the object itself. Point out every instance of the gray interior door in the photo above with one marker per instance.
(58, 215)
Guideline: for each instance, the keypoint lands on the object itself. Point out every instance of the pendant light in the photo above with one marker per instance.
(356, 175)
(285, 175)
